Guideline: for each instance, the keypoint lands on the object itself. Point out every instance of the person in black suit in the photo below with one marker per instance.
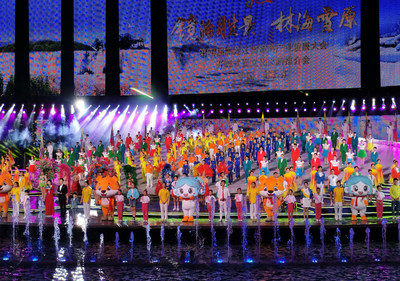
(62, 191)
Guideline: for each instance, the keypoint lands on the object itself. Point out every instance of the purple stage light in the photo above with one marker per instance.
(305, 109)
(343, 108)
(258, 110)
(221, 111)
(119, 112)
(286, 110)
(267, 110)
(324, 108)
(277, 109)
(230, 111)
(393, 106)
(295, 110)
(34, 112)
(24, 112)
(335, 108)
(248, 110)
(203, 111)
(14, 112)
(183, 112)
(373, 107)
(212, 111)
(353, 110)
(239, 111)
(363, 108)
(314, 109)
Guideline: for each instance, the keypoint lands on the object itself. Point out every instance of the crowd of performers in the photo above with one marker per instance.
(218, 158)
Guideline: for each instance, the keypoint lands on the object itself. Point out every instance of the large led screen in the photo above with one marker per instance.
(7, 46)
(89, 47)
(135, 47)
(389, 41)
(45, 47)
(259, 45)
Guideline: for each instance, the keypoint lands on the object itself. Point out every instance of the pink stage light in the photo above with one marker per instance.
(239, 111)
(212, 111)
(267, 110)
(230, 111)
(248, 110)
(203, 111)
(221, 111)
(277, 109)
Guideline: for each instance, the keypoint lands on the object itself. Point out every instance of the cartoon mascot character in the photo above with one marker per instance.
(187, 189)
(107, 187)
(5, 188)
(359, 187)
(271, 189)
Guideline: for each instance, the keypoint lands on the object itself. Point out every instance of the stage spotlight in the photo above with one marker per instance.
(286, 110)
(393, 104)
(333, 101)
(277, 109)
(221, 111)
(229, 104)
(343, 101)
(267, 110)
(230, 111)
(53, 110)
(383, 104)
(175, 111)
(267, 103)
(324, 109)
(212, 111)
(202, 104)
(285, 102)
(80, 104)
(142, 93)
(314, 109)
(343, 108)
(248, 110)
(239, 111)
(258, 103)
(353, 105)
(277, 103)
(247, 103)
(258, 110)
(373, 104)
(210, 104)
(306, 94)
(314, 102)
(203, 111)
(238, 104)
(305, 109)
(220, 104)
(304, 102)
(62, 112)
(295, 110)
(72, 109)
(324, 102)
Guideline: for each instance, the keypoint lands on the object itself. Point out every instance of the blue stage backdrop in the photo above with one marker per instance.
(389, 41)
(7, 45)
(259, 45)
(45, 47)
(89, 47)
(135, 46)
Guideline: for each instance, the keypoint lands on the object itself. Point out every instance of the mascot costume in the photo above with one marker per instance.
(5, 188)
(107, 187)
(271, 189)
(187, 189)
(359, 187)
